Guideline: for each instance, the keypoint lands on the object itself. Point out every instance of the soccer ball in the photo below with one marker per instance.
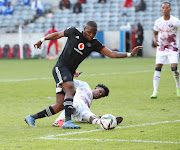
(108, 122)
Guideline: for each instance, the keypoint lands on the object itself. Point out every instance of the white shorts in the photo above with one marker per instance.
(165, 57)
(82, 112)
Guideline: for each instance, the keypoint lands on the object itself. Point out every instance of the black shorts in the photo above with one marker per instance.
(61, 74)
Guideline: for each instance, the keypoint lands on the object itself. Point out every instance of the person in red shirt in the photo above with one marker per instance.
(128, 3)
(52, 30)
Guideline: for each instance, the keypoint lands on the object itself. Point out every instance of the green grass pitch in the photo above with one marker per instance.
(27, 87)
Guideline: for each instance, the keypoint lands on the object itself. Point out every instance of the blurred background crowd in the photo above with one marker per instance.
(48, 16)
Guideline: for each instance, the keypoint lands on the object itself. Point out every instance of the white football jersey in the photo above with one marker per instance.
(167, 33)
(83, 93)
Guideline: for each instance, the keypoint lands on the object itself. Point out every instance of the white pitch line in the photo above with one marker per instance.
(113, 140)
(138, 125)
(98, 74)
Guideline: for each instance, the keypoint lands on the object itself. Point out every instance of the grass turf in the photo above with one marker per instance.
(27, 87)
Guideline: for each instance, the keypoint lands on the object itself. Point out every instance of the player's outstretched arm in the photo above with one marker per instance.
(114, 54)
(53, 36)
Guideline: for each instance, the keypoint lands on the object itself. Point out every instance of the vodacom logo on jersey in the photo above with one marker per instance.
(81, 46)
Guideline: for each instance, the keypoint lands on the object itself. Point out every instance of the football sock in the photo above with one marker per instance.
(45, 113)
(61, 116)
(156, 80)
(176, 78)
(68, 104)
(96, 121)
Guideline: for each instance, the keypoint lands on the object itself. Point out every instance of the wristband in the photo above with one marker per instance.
(42, 39)
(129, 55)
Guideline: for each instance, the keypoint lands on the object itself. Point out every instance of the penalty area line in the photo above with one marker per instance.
(81, 132)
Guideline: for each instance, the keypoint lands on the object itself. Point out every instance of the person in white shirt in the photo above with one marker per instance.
(82, 103)
(37, 6)
(165, 38)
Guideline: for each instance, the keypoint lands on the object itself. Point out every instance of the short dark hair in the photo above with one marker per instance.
(92, 24)
(167, 3)
(105, 88)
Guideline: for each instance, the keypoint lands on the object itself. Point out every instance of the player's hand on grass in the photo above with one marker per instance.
(38, 45)
(135, 50)
(77, 74)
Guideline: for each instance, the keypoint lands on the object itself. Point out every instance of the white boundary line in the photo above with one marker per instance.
(98, 74)
(52, 137)
(113, 140)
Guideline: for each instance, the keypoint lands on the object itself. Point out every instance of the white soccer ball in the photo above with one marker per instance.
(108, 122)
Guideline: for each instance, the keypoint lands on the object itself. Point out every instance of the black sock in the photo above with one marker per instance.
(68, 104)
(45, 113)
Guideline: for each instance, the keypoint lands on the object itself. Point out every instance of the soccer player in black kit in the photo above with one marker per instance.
(78, 46)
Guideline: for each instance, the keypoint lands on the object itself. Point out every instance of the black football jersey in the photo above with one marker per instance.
(77, 48)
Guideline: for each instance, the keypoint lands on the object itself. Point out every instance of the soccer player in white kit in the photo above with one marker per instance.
(165, 38)
(82, 103)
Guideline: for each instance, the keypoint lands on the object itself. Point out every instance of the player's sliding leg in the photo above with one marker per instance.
(156, 80)
(60, 120)
(119, 120)
(177, 79)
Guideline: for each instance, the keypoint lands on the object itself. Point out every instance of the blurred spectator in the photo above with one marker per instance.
(77, 7)
(2, 7)
(52, 30)
(4, 2)
(9, 9)
(141, 6)
(139, 38)
(23, 2)
(102, 1)
(1, 10)
(64, 4)
(128, 3)
(82, 1)
(37, 6)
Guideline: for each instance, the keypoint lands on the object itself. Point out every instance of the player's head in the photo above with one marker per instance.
(166, 8)
(90, 30)
(100, 91)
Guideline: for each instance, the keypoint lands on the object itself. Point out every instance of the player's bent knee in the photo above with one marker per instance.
(174, 68)
(158, 68)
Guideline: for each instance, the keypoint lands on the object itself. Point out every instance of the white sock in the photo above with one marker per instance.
(61, 116)
(96, 121)
(176, 78)
(156, 80)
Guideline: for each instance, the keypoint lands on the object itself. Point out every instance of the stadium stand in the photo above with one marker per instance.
(1, 52)
(26, 51)
(16, 51)
(108, 16)
(7, 51)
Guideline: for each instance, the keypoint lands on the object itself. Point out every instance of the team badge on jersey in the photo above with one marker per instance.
(88, 44)
(81, 46)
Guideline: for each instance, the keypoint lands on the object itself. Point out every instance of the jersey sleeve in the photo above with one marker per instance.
(69, 31)
(79, 83)
(99, 46)
(156, 26)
